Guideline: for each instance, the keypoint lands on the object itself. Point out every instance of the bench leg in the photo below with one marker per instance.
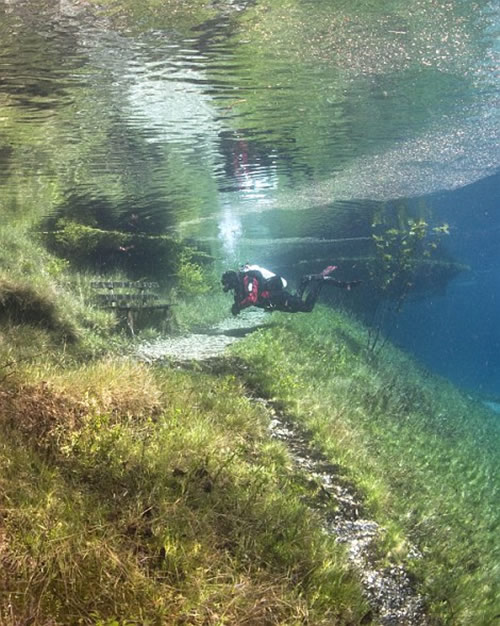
(130, 322)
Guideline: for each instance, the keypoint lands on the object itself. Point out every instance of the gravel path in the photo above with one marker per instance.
(388, 590)
(204, 345)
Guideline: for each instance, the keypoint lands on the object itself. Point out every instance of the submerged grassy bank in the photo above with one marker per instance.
(424, 455)
(155, 496)
(135, 494)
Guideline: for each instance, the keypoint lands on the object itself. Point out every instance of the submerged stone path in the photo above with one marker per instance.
(389, 591)
(203, 345)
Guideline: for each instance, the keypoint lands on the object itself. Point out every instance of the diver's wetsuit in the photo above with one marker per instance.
(293, 303)
(252, 289)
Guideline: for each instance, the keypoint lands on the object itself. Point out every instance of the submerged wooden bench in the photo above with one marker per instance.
(130, 298)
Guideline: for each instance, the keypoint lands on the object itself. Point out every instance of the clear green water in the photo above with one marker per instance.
(279, 132)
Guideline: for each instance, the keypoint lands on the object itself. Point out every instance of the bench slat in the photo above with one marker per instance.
(126, 302)
(127, 297)
(118, 284)
(146, 307)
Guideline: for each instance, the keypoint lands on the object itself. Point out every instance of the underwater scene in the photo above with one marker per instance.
(249, 312)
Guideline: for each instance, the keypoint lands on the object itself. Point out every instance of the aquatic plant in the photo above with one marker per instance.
(21, 303)
(193, 279)
(44, 306)
(400, 253)
(198, 311)
(138, 254)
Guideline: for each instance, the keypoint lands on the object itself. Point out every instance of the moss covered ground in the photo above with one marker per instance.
(146, 494)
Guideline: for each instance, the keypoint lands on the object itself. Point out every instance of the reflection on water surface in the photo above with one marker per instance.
(259, 105)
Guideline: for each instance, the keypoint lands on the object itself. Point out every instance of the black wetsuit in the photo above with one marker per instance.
(254, 290)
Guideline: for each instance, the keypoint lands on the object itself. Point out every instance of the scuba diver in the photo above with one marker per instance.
(256, 286)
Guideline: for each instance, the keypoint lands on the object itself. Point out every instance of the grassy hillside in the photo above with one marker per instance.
(134, 494)
(424, 454)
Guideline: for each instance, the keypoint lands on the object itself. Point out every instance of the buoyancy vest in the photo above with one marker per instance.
(266, 274)
(255, 290)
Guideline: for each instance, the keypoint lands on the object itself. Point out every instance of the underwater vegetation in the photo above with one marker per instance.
(138, 254)
(422, 452)
(141, 495)
(163, 490)
(403, 264)
(22, 304)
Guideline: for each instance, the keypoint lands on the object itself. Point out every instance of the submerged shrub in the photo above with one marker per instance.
(80, 242)
(21, 303)
(138, 254)
(192, 277)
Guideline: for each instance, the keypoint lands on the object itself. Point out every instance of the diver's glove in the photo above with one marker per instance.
(235, 309)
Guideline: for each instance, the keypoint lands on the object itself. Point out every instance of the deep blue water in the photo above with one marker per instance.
(458, 334)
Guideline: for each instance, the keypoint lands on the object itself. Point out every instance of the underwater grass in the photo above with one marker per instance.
(129, 493)
(199, 312)
(155, 496)
(423, 454)
(41, 297)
